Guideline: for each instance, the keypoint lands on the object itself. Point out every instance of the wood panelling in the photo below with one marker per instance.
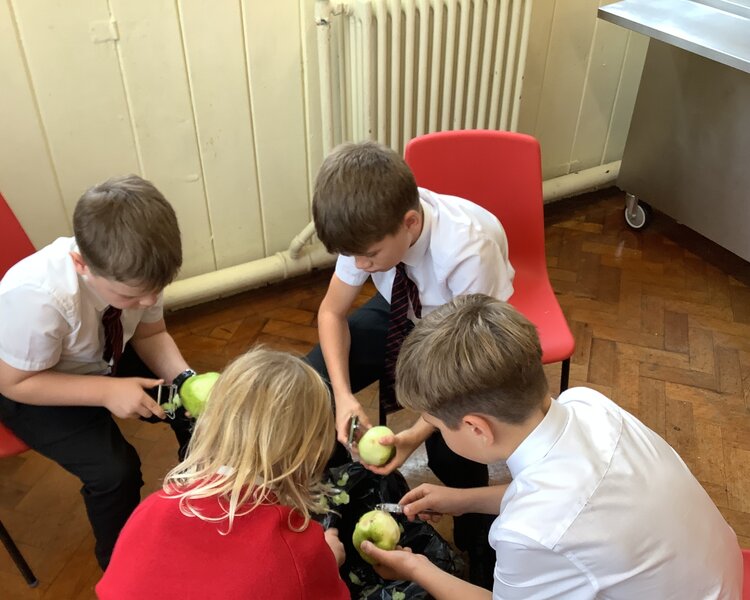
(219, 104)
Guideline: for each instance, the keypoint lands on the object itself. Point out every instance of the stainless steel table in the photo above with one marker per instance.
(688, 148)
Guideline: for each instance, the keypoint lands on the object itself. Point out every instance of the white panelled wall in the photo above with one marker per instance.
(217, 102)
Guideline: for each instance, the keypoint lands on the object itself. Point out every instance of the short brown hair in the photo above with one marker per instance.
(128, 232)
(362, 193)
(475, 354)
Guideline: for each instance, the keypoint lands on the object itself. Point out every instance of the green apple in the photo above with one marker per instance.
(380, 528)
(371, 451)
(194, 392)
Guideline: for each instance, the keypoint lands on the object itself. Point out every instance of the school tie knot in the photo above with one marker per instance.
(112, 337)
(403, 295)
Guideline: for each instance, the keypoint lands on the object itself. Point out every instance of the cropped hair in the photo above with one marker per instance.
(265, 436)
(128, 232)
(362, 193)
(474, 355)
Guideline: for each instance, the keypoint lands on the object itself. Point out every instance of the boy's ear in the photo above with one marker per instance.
(480, 427)
(413, 220)
(79, 264)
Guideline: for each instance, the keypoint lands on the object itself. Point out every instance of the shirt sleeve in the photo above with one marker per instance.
(32, 328)
(483, 268)
(526, 569)
(347, 272)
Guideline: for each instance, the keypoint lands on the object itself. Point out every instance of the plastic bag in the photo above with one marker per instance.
(364, 489)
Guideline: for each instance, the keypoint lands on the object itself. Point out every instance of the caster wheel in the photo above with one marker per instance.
(640, 218)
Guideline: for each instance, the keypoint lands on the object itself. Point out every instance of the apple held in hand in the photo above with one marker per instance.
(378, 527)
(371, 451)
(194, 392)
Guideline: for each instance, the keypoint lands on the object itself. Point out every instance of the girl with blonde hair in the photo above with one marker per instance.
(234, 518)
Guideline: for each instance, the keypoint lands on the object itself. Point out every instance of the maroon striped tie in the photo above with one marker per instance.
(399, 325)
(112, 336)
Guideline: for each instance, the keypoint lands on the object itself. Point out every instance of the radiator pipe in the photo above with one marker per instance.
(257, 273)
(580, 182)
(324, 11)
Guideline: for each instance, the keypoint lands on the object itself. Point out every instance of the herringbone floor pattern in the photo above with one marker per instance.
(662, 324)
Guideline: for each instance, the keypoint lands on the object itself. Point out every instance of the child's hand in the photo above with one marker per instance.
(405, 445)
(445, 500)
(125, 398)
(400, 563)
(334, 543)
(347, 406)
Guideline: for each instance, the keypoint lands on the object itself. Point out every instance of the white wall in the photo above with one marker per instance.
(216, 101)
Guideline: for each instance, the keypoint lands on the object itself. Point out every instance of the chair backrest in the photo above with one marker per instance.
(14, 243)
(499, 170)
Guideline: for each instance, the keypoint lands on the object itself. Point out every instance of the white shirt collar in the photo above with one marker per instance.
(417, 251)
(540, 441)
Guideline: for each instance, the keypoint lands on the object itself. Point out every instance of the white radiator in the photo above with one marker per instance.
(394, 69)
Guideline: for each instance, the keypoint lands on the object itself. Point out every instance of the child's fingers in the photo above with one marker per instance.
(385, 469)
(413, 495)
(418, 507)
(153, 408)
(364, 421)
(380, 556)
(147, 383)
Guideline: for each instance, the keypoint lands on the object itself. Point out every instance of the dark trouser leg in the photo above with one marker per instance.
(131, 365)
(86, 442)
(368, 327)
(470, 531)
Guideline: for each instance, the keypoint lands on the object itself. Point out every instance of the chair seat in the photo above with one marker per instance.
(535, 299)
(10, 445)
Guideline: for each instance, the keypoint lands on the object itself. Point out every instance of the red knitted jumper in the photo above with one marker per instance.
(162, 553)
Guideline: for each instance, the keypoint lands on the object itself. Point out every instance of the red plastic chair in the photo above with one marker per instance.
(746, 571)
(14, 245)
(501, 171)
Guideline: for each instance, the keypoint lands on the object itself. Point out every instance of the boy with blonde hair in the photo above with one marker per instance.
(66, 313)
(599, 505)
(422, 249)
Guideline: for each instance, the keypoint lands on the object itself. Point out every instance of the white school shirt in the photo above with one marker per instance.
(600, 506)
(462, 249)
(50, 318)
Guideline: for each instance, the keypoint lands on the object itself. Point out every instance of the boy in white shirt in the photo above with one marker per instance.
(66, 315)
(422, 249)
(599, 506)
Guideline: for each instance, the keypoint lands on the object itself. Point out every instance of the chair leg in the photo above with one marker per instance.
(17, 557)
(564, 375)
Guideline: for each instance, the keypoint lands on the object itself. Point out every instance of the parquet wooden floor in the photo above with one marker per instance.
(662, 323)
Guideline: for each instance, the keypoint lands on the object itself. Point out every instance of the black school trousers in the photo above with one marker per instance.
(87, 442)
(368, 327)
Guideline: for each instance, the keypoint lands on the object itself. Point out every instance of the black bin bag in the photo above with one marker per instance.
(365, 489)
